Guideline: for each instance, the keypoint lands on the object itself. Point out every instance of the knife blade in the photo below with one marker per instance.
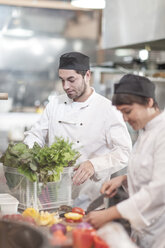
(96, 203)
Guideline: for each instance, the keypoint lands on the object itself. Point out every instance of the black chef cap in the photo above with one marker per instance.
(74, 61)
(135, 85)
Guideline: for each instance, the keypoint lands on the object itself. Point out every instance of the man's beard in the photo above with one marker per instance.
(81, 93)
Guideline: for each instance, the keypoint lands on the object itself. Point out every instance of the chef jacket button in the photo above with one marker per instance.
(78, 141)
(59, 121)
(81, 124)
(65, 102)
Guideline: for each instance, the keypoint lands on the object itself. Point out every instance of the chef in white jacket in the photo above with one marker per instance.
(145, 207)
(89, 120)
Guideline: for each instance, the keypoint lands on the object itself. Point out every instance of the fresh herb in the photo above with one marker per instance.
(41, 164)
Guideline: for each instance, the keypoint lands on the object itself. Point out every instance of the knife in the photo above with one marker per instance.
(96, 203)
(100, 200)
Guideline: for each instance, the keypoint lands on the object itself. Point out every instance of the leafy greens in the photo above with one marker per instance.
(41, 164)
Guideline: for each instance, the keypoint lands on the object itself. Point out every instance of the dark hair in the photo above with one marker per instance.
(129, 99)
(81, 72)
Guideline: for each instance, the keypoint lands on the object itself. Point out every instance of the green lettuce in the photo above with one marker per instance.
(41, 164)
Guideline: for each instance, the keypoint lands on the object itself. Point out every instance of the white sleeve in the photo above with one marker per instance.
(39, 131)
(119, 144)
(148, 204)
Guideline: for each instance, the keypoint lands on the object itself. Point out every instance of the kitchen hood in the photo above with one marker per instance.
(134, 24)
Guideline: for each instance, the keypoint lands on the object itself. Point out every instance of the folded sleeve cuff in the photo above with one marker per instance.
(129, 211)
(105, 162)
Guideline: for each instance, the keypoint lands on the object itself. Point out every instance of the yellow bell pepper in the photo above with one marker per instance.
(31, 212)
(42, 218)
(73, 217)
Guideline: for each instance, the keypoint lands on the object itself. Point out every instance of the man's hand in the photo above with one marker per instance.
(83, 172)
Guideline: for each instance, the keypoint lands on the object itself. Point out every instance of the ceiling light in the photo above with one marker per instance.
(143, 54)
(18, 33)
(17, 26)
(91, 4)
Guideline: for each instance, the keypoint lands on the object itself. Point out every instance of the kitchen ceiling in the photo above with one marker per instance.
(49, 20)
(32, 39)
(41, 34)
(51, 4)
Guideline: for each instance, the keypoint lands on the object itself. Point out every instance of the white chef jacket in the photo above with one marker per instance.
(97, 131)
(145, 209)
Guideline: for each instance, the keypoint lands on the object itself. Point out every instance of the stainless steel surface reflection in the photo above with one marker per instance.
(19, 235)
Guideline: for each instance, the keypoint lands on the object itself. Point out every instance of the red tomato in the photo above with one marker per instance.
(29, 219)
(6, 216)
(16, 217)
(78, 210)
(99, 243)
(73, 221)
(82, 238)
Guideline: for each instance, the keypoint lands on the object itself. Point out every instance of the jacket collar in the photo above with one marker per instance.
(155, 121)
(80, 105)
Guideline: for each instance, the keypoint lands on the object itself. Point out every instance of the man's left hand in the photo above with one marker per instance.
(84, 171)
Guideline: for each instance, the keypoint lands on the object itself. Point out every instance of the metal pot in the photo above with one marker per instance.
(20, 235)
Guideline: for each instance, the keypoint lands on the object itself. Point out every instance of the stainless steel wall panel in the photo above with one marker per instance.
(128, 22)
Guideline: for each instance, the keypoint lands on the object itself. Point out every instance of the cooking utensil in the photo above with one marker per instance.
(121, 194)
(96, 203)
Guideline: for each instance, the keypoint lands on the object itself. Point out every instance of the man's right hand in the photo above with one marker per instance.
(110, 188)
(83, 172)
